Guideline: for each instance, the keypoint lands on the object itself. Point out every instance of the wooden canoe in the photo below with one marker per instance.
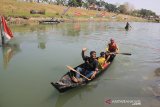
(66, 83)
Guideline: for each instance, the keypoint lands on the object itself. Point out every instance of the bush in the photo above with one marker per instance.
(57, 14)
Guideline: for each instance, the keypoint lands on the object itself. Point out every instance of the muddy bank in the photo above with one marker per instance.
(35, 20)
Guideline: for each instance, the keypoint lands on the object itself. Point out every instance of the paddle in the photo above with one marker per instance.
(124, 53)
(120, 53)
(72, 69)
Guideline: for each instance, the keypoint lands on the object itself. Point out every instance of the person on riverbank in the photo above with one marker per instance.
(89, 68)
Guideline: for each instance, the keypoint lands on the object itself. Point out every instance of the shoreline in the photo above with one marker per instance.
(35, 20)
(20, 13)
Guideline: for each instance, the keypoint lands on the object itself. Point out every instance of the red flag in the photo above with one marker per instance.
(6, 29)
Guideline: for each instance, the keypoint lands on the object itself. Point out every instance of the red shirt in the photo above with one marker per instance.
(112, 47)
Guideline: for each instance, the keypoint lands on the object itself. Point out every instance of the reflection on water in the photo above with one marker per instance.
(72, 30)
(30, 28)
(155, 88)
(154, 84)
(9, 50)
(42, 39)
(74, 94)
(39, 53)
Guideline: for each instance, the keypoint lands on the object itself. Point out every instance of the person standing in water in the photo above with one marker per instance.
(127, 26)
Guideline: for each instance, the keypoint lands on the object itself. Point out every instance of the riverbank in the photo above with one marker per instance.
(19, 13)
(35, 20)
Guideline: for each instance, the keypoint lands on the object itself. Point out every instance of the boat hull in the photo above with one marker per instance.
(66, 83)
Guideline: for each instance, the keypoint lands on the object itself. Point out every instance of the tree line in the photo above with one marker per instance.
(125, 8)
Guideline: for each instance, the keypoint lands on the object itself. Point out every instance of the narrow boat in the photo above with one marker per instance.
(49, 22)
(66, 83)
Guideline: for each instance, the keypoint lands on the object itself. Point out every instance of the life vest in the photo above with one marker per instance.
(112, 47)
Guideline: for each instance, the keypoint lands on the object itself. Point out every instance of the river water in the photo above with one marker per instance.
(38, 55)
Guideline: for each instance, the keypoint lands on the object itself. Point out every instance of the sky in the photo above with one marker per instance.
(153, 5)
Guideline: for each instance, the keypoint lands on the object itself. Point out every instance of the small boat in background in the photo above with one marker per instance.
(52, 21)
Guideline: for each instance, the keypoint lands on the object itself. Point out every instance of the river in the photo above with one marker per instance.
(39, 53)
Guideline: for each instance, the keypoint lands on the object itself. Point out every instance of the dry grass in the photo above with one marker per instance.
(16, 9)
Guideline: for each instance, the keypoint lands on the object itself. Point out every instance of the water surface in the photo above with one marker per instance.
(38, 55)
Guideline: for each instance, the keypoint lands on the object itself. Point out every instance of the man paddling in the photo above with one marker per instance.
(89, 68)
(112, 49)
(112, 46)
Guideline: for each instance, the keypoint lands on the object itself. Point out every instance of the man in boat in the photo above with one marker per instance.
(89, 68)
(102, 61)
(112, 49)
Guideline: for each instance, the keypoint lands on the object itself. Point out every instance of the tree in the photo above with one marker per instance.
(91, 1)
(85, 4)
(126, 8)
(100, 3)
(75, 3)
(122, 9)
(135, 13)
(62, 2)
(146, 13)
(111, 7)
(79, 3)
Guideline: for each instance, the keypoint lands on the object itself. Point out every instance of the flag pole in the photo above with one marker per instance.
(2, 37)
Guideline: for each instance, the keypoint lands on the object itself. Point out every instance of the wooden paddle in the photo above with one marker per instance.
(72, 69)
(120, 53)
(124, 53)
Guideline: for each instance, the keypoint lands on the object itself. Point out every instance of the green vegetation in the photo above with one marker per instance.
(143, 13)
(125, 8)
(21, 9)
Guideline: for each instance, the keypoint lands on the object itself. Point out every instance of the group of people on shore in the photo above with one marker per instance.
(93, 64)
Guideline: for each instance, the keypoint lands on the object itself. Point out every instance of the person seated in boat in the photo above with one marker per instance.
(89, 68)
(102, 61)
(112, 48)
